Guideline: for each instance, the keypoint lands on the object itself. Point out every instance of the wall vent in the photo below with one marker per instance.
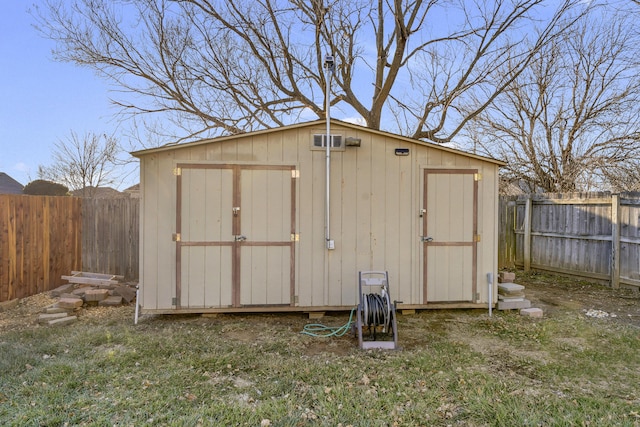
(319, 141)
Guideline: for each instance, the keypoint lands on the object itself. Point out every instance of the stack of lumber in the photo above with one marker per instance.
(510, 295)
(86, 289)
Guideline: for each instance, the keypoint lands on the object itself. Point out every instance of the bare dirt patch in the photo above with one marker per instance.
(557, 294)
(25, 314)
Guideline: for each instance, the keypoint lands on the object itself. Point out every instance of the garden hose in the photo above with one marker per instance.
(322, 331)
(377, 310)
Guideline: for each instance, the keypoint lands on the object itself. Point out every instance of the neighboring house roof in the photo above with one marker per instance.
(97, 193)
(9, 185)
(133, 191)
(169, 147)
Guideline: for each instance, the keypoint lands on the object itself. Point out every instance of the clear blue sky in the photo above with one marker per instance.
(41, 100)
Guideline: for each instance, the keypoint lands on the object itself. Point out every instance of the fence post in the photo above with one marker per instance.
(615, 241)
(527, 234)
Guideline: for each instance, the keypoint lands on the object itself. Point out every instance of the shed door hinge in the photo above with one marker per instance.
(295, 237)
(477, 177)
(477, 237)
(295, 173)
(177, 171)
(176, 237)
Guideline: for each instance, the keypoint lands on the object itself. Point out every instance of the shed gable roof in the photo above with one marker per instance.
(172, 146)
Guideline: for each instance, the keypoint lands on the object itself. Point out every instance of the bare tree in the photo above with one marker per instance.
(226, 67)
(83, 162)
(571, 121)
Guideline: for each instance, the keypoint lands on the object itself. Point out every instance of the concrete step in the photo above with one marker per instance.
(509, 287)
(513, 305)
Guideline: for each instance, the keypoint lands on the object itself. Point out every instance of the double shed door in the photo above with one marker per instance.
(235, 226)
(450, 235)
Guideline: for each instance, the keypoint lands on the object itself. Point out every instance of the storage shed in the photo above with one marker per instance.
(239, 223)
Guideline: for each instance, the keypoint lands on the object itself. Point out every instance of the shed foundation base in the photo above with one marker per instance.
(408, 308)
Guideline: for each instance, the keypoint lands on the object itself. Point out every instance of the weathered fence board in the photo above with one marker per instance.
(110, 236)
(39, 241)
(43, 238)
(593, 235)
(506, 235)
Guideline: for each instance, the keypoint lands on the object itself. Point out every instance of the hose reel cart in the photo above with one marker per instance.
(375, 314)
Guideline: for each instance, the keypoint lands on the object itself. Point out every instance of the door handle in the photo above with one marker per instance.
(426, 239)
(240, 238)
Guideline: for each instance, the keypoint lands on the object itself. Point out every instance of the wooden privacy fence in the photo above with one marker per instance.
(592, 235)
(110, 236)
(44, 237)
(39, 242)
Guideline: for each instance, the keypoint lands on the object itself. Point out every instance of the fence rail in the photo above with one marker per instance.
(592, 235)
(45, 237)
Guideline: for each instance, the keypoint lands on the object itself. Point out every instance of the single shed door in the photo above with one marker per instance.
(450, 235)
(236, 228)
(205, 244)
(267, 224)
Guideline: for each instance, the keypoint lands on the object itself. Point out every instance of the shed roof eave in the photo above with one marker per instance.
(174, 146)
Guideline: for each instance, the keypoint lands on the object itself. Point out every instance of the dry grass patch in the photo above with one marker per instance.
(455, 368)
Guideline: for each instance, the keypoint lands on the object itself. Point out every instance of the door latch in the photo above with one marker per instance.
(426, 239)
(240, 238)
(236, 210)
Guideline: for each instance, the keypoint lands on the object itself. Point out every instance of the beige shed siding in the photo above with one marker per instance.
(375, 217)
(375, 201)
(158, 268)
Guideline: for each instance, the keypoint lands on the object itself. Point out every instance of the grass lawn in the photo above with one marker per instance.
(455, 368)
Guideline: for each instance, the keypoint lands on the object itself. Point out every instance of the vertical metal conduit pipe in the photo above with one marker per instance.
(329, 65)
